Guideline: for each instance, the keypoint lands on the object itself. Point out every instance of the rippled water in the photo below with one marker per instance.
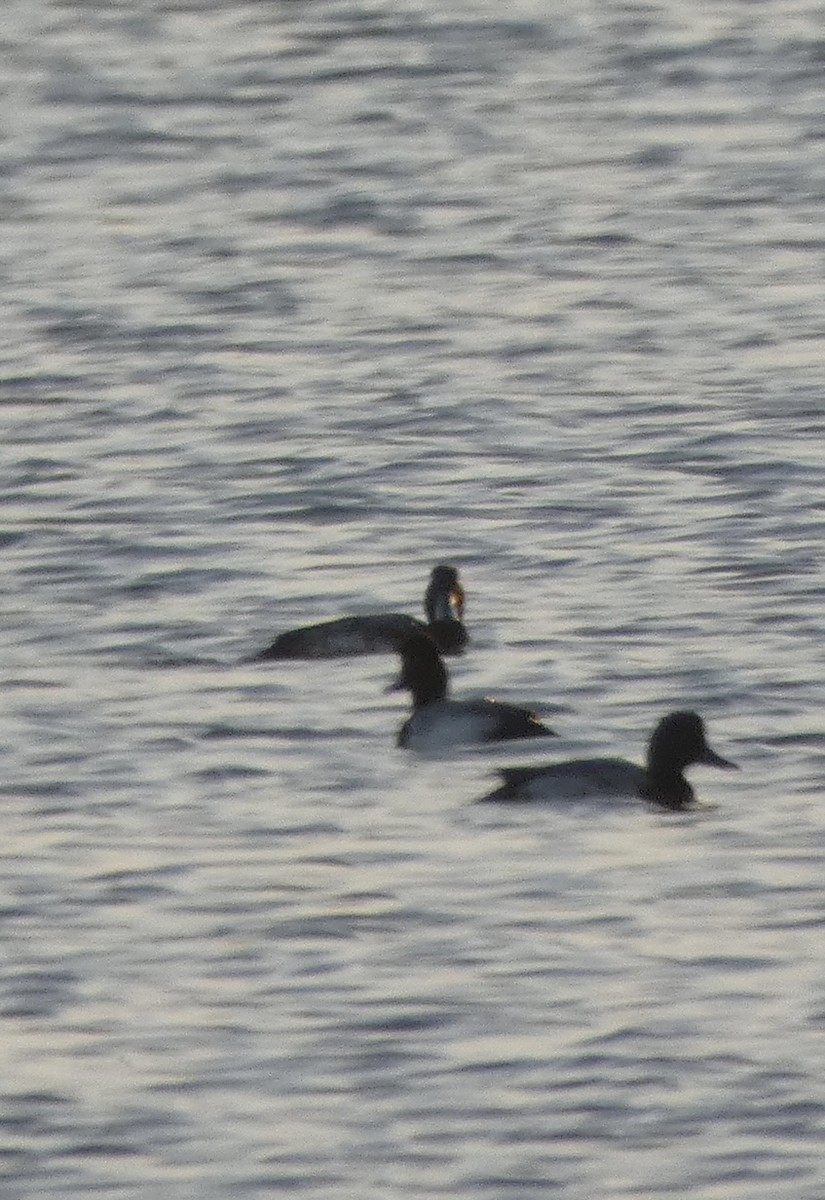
(297, 300)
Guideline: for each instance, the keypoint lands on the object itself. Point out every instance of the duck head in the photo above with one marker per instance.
(678, 741)
(422, 671)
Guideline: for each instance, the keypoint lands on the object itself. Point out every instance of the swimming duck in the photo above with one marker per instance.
(378, 633)
(438, 723)
(677, 742)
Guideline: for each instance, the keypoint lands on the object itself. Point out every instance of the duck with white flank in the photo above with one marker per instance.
(677, 742)
(379, 633)
(439, 724)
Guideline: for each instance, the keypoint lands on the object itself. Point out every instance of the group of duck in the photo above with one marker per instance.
(438, 723)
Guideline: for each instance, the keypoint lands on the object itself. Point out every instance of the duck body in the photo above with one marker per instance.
(380, 633)
(345, 637)
(442, 724)
(677, 742)
(438, 723)
(578, 779)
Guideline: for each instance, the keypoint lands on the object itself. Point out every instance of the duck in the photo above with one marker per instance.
(379, 633)
(438, 723)
(677, 742)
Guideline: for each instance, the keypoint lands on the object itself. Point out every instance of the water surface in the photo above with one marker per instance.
(297, 301)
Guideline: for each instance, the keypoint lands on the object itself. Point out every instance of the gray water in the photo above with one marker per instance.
(298, 300)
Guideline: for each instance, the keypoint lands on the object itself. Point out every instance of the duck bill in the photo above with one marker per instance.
(457, 602)
(711, 759)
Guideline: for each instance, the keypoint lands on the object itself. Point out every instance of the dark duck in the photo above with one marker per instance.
(380, 633)
(438, 723)
(677, 742)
